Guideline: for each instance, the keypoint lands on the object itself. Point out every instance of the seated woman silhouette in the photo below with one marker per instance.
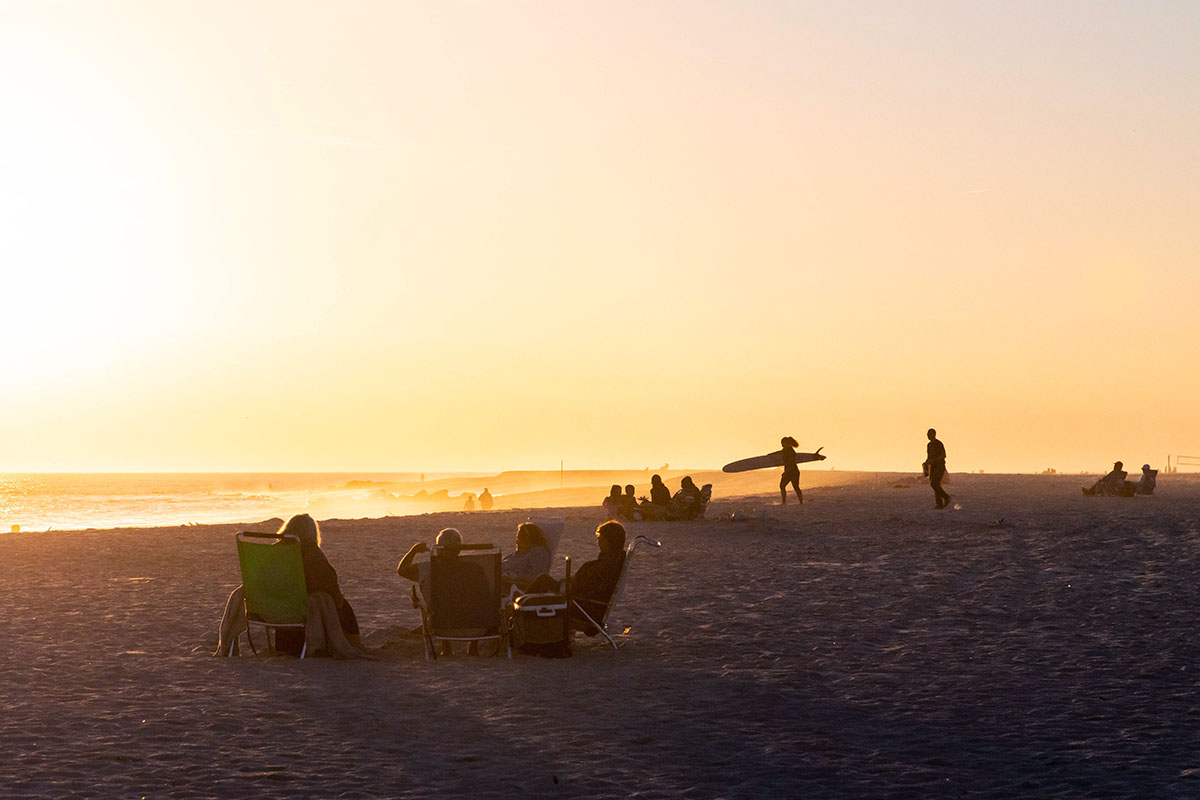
(319, 576)
(532, 557)
(612, 503)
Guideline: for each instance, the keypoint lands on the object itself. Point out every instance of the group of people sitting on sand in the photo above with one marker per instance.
(1115, 483)
(525, 571)
(687, 503)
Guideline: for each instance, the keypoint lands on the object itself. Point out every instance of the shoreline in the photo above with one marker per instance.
(580, 494)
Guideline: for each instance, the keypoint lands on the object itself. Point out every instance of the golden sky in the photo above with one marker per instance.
(487, 235)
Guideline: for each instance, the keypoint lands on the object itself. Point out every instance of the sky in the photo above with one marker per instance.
(375, 236)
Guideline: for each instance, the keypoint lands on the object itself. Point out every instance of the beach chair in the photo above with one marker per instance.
(461, 601)
(681, 509)
(553, 528)
(601, 624)
(273, 584)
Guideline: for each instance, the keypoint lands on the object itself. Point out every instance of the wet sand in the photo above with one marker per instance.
(1032, 643)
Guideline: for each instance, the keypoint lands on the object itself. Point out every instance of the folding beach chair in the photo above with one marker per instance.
(461, 602)
(553, 528)
(602, 623)
(273, 583)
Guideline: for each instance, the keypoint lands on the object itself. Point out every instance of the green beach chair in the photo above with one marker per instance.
(273, 583)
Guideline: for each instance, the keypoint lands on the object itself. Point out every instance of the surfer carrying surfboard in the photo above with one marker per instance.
(791, 472)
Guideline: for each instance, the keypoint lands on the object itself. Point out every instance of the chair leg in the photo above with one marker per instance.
(604, 633)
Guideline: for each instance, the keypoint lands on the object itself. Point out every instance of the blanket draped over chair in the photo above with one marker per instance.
(323, 631)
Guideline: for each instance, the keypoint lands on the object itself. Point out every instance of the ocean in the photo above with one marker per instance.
(70, 501)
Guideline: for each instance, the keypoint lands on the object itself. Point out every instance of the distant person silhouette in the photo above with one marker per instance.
(660, 495)
(659, 503)
(485, 500)
(628, 504)
(791, 472)
(1149, 480)
(1112, 483)
(935, 468)
(612, 503)
(470, 504)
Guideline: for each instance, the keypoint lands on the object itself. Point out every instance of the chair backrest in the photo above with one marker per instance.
(273, 577)
(640, 538)
(553, 528)
(465, 589)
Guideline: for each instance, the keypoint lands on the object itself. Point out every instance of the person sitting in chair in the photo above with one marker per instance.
(532, 557)
(464, 583)
(688, 502)
(1149, 480)
(1110, 483)
(319, 576)
(593, 585)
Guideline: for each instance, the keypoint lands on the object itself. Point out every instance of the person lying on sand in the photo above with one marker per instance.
(1111, 483)
(532, 557)
(467, 583)
(319, 576)
(593, 585)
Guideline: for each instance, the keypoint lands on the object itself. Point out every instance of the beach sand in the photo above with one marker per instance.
(1031, 643)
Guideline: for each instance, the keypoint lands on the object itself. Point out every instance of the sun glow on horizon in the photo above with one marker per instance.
(470, 236)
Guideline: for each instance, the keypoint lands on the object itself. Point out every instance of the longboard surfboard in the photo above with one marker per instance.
(770, 460)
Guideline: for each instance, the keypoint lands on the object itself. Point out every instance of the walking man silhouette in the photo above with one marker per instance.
(935, 469)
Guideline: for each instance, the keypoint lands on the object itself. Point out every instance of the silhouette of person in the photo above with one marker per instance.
(485, 500)
(628, 504)
(1149, 480)
(660, 495)
(791, 472)
(470, 504)
(935, 469)
(1110, 483)
(612, 503)
(465, 582)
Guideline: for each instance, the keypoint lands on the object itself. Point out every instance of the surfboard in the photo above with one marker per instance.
(770, 460)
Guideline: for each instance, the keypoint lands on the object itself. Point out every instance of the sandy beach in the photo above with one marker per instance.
(1030, 643)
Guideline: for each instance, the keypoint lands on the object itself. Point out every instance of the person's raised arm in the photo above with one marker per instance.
(407, 567)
